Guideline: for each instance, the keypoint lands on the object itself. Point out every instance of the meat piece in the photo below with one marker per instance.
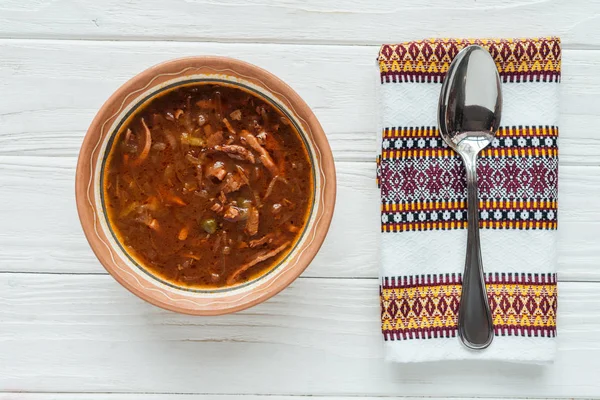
(159, 146)
(234, 214)
(262, 138)
(222, 197)
(268, 238)
(252, 222)
(264, 157)
(237, 152)
(217, 207)
(214, 139)
(258, 259)
(232, 183)
(236, 115)
(217, 170)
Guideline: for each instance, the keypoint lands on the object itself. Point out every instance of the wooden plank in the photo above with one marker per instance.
(51, 91)
(41, 230)
(73, 333)
(169, 396)
(311, 21)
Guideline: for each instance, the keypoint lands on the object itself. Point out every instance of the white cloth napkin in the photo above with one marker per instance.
(423, 211)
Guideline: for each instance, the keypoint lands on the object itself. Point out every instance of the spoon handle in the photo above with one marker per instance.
(475, 327)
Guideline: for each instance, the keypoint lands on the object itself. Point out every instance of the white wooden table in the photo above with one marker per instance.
(69, 331)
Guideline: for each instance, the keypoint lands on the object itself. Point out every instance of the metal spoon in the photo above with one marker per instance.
(469, 115)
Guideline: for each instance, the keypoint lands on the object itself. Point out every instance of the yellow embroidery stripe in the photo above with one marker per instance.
(429, 307)
(446, 225)
(483, 205)
(504, 67)
(507, 131)
(489, 152)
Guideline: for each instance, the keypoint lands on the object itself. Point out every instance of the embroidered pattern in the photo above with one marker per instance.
(509, 142)
(428, 60)
(423, 181)
(438, 179)
(426, 306)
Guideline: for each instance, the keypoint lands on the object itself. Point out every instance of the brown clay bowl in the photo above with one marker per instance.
(92, 157)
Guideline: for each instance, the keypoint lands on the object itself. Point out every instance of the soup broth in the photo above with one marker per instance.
(208, 186)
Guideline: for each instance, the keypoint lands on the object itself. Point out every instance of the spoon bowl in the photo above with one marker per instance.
(468, 116)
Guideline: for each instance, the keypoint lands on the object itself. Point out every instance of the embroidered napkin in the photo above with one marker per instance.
(423, 204)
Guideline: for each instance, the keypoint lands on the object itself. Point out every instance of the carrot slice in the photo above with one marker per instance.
(169, 197)
(183, 233)
(154, 225)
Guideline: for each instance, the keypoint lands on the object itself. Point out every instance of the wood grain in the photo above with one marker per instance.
(163, 396)
(170, 396)
(311, 21)
(41, 231)
(69, 331)
(73, 79)
(320, 336)
(40, 138)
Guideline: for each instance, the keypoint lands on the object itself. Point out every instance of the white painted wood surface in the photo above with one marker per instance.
(68, 331)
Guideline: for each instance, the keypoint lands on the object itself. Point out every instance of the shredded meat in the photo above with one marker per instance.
(258, 259)
(228, 126)
(217, 170)
(264, 157)
(268, 238)
(272, 185)
(237, 152)
(147, 145)
(252, 222)
(217, 207)
(233, 183)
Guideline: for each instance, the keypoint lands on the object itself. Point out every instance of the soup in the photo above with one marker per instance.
(208, 186)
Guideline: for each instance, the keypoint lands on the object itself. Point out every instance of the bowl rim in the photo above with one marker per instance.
(151, 290)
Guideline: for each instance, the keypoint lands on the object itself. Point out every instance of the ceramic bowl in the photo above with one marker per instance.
(92, 157)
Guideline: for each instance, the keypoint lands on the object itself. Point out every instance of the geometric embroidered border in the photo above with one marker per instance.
(532, 141)
(419, 180)
(452, 215)
(426, 306)
(517, 60)
(517, 180)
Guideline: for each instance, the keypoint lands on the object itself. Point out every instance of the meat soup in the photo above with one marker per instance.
(208, 186)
